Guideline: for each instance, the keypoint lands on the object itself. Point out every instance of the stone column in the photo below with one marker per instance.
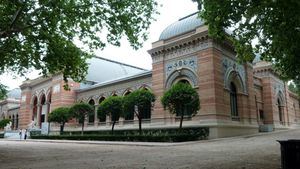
(38, 114)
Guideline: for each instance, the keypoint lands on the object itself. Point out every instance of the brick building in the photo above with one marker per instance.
(235, 98)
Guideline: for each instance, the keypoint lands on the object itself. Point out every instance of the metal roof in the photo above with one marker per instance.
(14, 93)
(183, 25)
(103, 70)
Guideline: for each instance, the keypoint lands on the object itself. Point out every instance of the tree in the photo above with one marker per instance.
(273, 24)
(3, 123)
(60, 115)
(41, 34)
(142, 100)
(113, 107)
(81, 111)
(181, 99)
(294, 87)
(3, 91)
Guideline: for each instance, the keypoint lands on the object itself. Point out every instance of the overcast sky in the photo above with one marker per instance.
(171, 11)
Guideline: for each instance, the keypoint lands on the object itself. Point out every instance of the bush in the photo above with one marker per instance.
(1, 135)
(157, 135)
(164, 131)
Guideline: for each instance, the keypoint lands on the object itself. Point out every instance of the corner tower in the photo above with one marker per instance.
(185, 52)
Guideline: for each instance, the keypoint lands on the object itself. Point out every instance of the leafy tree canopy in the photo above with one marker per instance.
(274, 24)
(60, 115)
(80, 111)
(3, 123)
(40, 34)
(113, 107)
(181, 99)
(3, 91)
(142, 98)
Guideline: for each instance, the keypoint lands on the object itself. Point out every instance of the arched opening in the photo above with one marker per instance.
(129, 115)
(49, 97)
(91, 118)
(102, 118)
(34, 110)
(279, 104)
(233, 101)
(114, 94)
(17, 121)
(184, 81)
(13, 122)
(43, 109)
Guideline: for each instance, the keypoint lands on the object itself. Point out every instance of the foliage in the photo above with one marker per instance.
(3, 91)
(81, 111)
(113, 107)
(41, 34)
(181, 99)
(273, 24)
(60, 115)
(295, 87)
(143, 100)
(157, 135)
(1, 135)
(4, 122)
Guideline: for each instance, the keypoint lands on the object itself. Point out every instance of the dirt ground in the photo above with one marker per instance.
(258, 152)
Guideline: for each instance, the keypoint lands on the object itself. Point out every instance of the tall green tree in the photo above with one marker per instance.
(40, 34)
(3, 91)
(142, 100)
(4, 122)
(181, 99)
(273, 24)
(81, 111)
(113, 107)
(60, 115)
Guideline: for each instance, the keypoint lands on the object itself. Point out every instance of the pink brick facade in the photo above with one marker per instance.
(235, 98)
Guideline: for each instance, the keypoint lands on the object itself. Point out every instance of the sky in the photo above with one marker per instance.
(170, 11)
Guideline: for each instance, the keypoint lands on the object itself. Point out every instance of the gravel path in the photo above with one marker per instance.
(257, 152)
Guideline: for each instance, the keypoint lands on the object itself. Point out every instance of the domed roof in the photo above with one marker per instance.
(182, 26)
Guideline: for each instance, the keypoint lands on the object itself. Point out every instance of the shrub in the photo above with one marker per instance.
(151, 135)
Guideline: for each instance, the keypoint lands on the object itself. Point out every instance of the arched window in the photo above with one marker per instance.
(13, 122)
(92, 116)
(129, 115)
(184, 81)
(103, 118)
(233, 101)
(280, 110)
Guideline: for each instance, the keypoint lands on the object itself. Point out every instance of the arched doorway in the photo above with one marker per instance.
(91, 118)
(129, 115)
(102, 118)
(43, 110)
(233, 101)
(280, 113)
(34, 110)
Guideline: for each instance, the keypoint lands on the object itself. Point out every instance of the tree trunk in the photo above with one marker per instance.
(181, 119)
(82, 128)
(112, 128)
(140, 126)
(62, 128)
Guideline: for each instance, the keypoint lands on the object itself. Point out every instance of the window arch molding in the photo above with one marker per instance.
(181, 74)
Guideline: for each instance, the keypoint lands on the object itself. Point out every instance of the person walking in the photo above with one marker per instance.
(20, 134)
(25, 134)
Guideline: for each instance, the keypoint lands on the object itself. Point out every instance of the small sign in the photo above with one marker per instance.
(45, 128)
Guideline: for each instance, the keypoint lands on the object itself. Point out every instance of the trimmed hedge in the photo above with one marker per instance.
(150, 135)
(164, 131)
(161, 138)
(1, 135)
